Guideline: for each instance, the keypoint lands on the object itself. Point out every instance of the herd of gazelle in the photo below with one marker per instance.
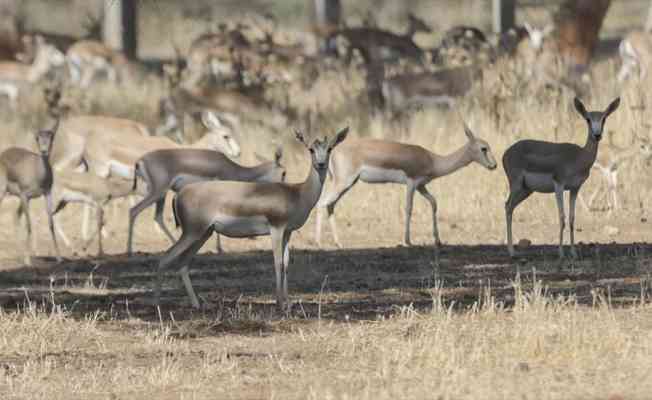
(215, 194)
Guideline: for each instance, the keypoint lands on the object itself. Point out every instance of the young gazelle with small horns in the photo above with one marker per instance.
(28, 175)
(545, 167)
(247, 209)
(380, 161)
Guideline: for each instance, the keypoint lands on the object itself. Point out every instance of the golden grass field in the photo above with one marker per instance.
(372, 320)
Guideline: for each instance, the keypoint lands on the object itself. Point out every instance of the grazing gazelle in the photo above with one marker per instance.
(379, 161)
(28, 175)
(173, 169)
(545, 167)
(246, 209)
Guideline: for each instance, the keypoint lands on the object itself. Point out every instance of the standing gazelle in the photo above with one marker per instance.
(28, 175)
(379, 161)
(545, 167)
(246, 209)
(173, 169)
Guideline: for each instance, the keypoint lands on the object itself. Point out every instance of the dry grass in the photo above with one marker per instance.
(543, 347)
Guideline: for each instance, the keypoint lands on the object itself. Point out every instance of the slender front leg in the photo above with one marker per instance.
(86, 222)
(286, 263)
(48, 206)
(20, 213)
(571, 220)
(218, 244)
(277, 234)
(433, 204)
(61, 233)
(559, 195)
(173, 254)
(133, 214)
(409, 192)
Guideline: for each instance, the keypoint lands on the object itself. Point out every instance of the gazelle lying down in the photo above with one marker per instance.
(246, 209)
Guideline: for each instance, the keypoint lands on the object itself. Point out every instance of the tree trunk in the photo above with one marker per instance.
(578, 26)
(119, 27)
(326, 20)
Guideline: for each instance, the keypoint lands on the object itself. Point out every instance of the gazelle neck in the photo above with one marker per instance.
(203, 143)
(444, 165)
(256, 173)
(310, 191)
(589, 151)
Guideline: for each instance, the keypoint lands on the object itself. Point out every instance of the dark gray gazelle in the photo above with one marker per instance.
(172, 169)
(28, 175)
(247, 209)
(545, 167)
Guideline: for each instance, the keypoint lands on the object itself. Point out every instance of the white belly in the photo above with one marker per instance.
(123, 170)
(379, 175)
(231, 226)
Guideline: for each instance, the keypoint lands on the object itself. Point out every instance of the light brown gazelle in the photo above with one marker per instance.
(545, 167)
(635, 52)
(28, 175)
(88, 57)
(246, 209)
(89, 189)
(173, 169)
(380, 161)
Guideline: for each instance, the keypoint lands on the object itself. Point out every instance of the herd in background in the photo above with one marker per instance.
(221, 81)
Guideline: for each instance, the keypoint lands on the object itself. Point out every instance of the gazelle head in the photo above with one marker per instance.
(320, 150)
(416, 24)
(537, 35)
(480, 151)
(222, 138)
(276, 171)
(47, 55)
(596, 119)
(45, 138)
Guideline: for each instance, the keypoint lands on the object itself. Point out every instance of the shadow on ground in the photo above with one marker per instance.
(333, 284)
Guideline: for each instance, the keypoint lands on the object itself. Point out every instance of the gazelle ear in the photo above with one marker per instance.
(612, 107)
(579, 107)
(468, 132)
(339, 137)
(210, 120)
(527, 27)
(300, 137)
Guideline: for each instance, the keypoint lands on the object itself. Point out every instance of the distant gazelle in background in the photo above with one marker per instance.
(381, 161)
(545, 167)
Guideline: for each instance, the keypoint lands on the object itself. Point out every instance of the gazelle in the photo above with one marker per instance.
(545, 167)
(246, 209)
(76, 187)
(88, 57)
(173, 169)
(379, 161)
(14, 74)
(610, 162)
(28, 175)
(635, 53)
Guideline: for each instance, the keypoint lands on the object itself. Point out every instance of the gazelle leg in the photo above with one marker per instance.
(277, 234)
(286, 263)
(98, 231)
(184, 261)
(433, 204)
(173, 254)
(330, 201)
(516, 196)
(23, 210)
(409, 194)
(133, 214)
(86, 222)
(218, 244)
(61, 232)
(48, 206)
(571, 221)
(158, 217)
(559, 196)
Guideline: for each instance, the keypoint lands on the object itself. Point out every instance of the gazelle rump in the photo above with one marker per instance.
(545, 167)
(246, 209)
(379, 161)
(28, 175)
(173, 169)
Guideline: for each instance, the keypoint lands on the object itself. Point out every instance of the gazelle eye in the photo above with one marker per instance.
(311, 150)
(484, 149)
